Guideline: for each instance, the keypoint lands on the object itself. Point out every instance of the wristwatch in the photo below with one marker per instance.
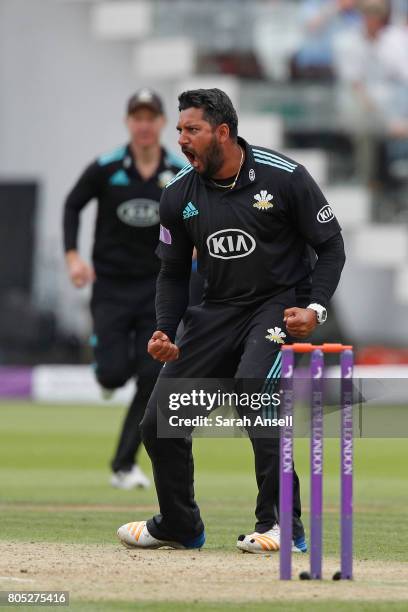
(321, 313)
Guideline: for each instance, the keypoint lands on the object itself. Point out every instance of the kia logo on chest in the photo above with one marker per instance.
(140, 212)
(230, 244)
(325, 214)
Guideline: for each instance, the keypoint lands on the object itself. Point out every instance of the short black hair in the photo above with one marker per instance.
(217, 107)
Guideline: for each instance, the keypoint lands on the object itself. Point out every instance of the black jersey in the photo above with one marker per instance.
(252, 241)
(127, 222)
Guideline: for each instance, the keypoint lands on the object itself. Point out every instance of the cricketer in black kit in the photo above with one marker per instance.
(127, 184)
(252, 214)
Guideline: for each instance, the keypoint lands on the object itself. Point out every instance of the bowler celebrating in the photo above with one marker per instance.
(253, 215)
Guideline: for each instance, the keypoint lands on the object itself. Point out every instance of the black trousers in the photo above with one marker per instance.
(124, 319)
(219, 341)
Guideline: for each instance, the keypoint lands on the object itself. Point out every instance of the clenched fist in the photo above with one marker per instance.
(300, 322)
(161, 348)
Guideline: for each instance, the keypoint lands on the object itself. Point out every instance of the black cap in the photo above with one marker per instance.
(145, 98)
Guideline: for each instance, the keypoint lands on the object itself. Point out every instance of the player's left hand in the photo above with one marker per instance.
(300, 322)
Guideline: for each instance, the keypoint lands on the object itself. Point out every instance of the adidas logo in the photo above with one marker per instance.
(119, 178)
(190, 211)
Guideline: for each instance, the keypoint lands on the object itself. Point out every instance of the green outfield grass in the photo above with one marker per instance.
(318, 606)
(57, 457)
(278, 606)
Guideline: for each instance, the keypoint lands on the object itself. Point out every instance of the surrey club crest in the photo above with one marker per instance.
(263, 200)
(275, 334)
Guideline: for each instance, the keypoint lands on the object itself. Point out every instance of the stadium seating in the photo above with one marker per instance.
(121, 20)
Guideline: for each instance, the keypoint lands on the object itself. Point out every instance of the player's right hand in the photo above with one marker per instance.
(79, 271)
(161, 348)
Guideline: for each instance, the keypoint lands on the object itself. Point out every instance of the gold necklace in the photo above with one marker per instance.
(234, 182)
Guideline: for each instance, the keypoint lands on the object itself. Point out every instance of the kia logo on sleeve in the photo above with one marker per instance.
(325, 214)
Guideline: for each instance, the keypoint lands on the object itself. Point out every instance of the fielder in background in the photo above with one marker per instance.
(127, 184)
(252, 214)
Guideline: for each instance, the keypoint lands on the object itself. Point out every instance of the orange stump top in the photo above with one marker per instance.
(307, 347)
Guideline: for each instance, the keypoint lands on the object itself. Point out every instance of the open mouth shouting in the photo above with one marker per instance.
(192, 158)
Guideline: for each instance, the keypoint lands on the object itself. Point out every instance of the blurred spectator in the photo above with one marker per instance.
(359, 58)
(322, 21)
(371, 64)
(395, 57)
